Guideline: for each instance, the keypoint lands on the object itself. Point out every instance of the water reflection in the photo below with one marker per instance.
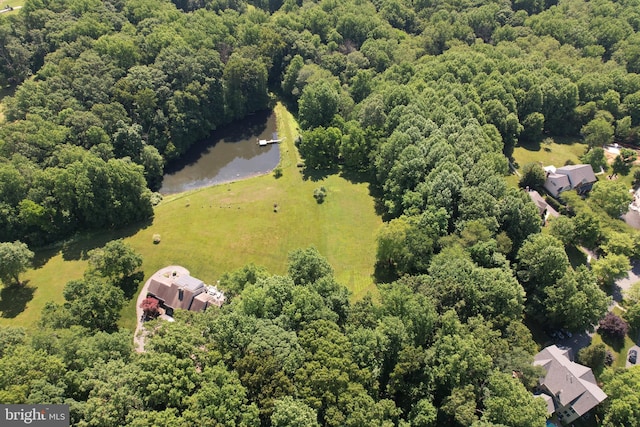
(228, 154)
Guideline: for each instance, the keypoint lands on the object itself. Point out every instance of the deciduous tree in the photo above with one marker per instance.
(509, 403)
(533, 176)
(611, 196)
(610, 268)
(622, 407)
(318, 104)
(613, 326)
(116, 260)
(598, 132)
(289, 412)
(15, 258)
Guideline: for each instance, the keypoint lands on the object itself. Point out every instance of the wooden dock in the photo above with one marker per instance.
(273, 140)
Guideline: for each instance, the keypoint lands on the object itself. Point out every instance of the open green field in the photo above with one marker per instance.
(218, 229)
(16, 4)
(551, 151)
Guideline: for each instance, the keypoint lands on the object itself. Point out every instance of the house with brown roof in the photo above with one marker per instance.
(177, 289)
(572, 177)
(570, 389)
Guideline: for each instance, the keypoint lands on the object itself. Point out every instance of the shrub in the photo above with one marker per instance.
(608, 358)
(613, 326)
(319, 194)
(277, 172)
(149, 307)
(156, 198)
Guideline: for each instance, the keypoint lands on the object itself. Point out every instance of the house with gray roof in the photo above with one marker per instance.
(570, 389)
(572, 177)
(177, 289)
(540, 202)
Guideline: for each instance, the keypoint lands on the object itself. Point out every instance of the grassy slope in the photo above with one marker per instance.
(218, 229)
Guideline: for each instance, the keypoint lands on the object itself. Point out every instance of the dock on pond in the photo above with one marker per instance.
(274, 140)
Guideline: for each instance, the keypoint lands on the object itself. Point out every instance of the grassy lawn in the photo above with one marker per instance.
(218, 229)
(512, 180)
(13, 3)
(619, 353)
(555, 153)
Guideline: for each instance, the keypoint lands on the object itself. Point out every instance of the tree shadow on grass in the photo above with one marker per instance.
(576, 256)
(357, 177)
(317, 174)
(530, 145)
(375, 190)
(384, 273)
(14, 299)
(130, 284)
(78, 247)
(616, 343)
(43, 255)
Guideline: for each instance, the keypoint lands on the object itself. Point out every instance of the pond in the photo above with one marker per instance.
(229, 154)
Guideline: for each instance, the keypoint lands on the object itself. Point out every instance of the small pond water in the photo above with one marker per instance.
(229, 154)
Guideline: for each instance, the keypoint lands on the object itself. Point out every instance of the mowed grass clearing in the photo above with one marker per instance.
(551, 151)
(4, 4)
(222, 228)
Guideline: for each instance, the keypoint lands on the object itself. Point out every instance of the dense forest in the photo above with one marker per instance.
(425, 99)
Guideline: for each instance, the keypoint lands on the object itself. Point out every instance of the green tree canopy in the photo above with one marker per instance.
(509, 403)
(289, 412)
(533, 176)
(116, 260)
(15, 258)
(598, 132)
(611, 196)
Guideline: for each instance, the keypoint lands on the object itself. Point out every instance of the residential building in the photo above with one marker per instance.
(570, 389)
(177, 289)
(573, 177)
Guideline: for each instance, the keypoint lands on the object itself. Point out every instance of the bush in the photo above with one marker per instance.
(156, 198)
(613, 326)
(608, 358)
(277, 172)
(319, 194)
(150, 307)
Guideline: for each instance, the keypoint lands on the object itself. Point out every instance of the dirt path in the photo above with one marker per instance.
(9, 9)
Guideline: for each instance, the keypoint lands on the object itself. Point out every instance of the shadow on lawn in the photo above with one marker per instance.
(617, 344)
(79, 247)
(14, 299)
(130, 284)
(317, 174)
